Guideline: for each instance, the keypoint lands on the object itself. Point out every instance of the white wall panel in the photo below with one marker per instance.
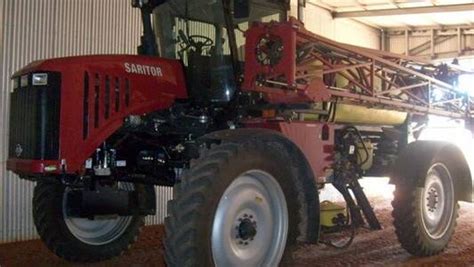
(446, 43)
(468, 42)
(320, 21)
(40, 29)
(163, 194)
(396, 44)
(450, 45)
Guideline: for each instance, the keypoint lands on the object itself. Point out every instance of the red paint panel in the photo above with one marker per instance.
(23, 166)
(307, 136)
(289, 87)
(147, 93)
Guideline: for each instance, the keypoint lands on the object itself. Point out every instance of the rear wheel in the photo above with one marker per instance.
(236, 206)
(437, 203)
(425, 217)
(81, 239)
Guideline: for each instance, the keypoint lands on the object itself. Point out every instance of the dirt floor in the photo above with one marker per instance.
(379, 248)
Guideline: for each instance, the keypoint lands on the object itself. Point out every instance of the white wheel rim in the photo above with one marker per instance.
(250, 225)
(437, 203)
(99, 231)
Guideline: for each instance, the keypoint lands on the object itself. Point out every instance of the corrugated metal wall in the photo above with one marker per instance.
(39, 29)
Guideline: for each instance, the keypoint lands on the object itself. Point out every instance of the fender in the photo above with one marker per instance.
(423, 153)
(309, 228)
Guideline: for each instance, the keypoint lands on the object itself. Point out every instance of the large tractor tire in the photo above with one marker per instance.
(425, 205)
(237, 205)
(81, 239)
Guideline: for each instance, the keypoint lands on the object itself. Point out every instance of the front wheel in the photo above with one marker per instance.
(425, 217)
(81, 239)
(236, 206)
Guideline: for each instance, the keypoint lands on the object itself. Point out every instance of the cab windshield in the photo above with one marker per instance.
(195, 32)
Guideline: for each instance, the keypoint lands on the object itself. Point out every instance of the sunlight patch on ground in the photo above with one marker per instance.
(374, 187)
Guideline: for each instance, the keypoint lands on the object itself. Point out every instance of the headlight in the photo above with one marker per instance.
(40, 79)
(15, 84)
(24, 81)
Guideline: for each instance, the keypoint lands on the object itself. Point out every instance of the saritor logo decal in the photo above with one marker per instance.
(143, 69)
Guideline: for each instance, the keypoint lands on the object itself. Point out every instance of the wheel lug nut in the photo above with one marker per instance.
(251, 216)
(245, 215)
(246, 243)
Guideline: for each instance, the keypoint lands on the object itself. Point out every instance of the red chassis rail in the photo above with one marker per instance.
(292, 65)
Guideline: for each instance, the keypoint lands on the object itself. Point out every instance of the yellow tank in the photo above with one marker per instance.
(353, 114)
(329, 211)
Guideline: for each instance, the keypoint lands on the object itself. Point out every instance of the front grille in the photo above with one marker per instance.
(104, 96)
(34, 120)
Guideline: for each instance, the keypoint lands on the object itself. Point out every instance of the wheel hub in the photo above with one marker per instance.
(251, 222)
(247, 229)
(432, 200)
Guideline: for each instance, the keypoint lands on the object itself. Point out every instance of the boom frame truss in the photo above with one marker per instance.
(293, 65)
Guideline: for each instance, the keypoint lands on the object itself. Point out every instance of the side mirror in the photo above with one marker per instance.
(241, 9)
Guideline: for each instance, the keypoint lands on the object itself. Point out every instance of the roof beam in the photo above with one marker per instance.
(331, 9)
(394, 30)
(405, 11)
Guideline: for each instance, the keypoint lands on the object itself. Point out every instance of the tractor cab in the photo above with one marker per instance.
(208, 37)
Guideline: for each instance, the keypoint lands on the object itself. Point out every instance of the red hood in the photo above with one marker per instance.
(62, 63)
(93, 86)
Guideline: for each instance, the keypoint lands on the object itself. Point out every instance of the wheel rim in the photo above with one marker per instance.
(98, 231)
(250, 225)
(437, 201)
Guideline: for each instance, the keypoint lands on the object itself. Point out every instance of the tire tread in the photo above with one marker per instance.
(180, 225)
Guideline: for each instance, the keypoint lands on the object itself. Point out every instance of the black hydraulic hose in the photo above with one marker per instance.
(361, 140)
(351, 238)
(228, 19)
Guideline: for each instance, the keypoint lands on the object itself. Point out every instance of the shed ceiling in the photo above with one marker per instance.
(402, 13)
